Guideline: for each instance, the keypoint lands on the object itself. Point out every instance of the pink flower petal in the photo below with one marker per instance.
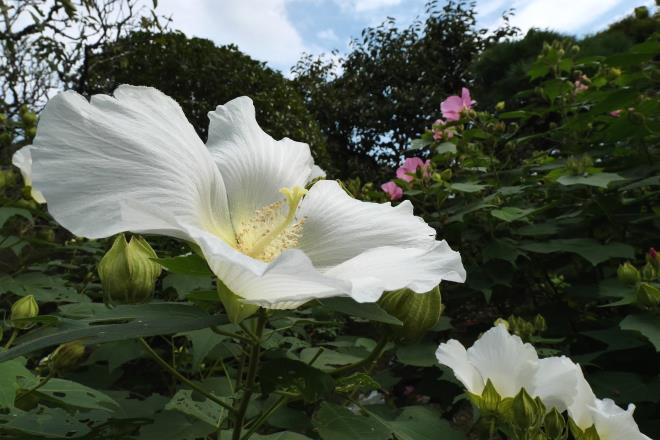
(393, 191)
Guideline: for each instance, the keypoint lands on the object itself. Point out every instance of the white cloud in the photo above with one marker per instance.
(259, 28)
(327, 35)
(365, 5)
(560, 15)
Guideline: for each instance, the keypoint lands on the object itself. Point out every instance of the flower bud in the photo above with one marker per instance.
(654, 258)
(500, 106)
(526, 413)
(501, 321)
(66, 357)
(418, 311)
(127, 271)
(489, 401)
(648, 272)
(555, 425)
(628, 274)
(648, 295)
(446, 174)
(24, 308)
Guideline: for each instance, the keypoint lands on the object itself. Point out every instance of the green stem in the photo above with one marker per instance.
(251, 376)
(265, 416)
(43, 382)
(373, 356)
(218, 331)
(163, 363)
(12, 338)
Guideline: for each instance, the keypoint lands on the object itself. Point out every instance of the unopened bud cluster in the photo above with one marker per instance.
(644, 280)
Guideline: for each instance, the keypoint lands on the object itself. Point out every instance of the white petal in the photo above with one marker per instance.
(555, 382)
(615, 423)
(339, 227)
(376, 247)
(453, 354)
(391, 268)
(505, 360)
(579, 410)
(254, 165)
(22, 159)
(93, 159)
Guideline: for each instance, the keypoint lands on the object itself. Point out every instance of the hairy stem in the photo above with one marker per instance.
(253, 364)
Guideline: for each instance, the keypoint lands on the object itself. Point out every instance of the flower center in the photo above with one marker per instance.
(271, 229)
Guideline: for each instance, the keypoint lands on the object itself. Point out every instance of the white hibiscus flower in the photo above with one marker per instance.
(22, 159)
(132, 162)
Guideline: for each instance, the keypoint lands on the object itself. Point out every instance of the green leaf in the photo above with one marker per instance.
(74, 394)
(187, 265)
(416, 423)
(467, 187)
(10, 371)
(205, 410)
(8, 212)
(555, 87)
(292, 375)
(419, 355)
(47, 423)
(446, 147)
(511, 213)
(334, 422)
(44, 287)
(645, 323)
(418, 144)
(203, 341)
(600, 180)
(588, 248)
(370, 311)
(120, 323)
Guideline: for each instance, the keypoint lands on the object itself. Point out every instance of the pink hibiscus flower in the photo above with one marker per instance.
(453, 106)
(393, 191)
(409, 168)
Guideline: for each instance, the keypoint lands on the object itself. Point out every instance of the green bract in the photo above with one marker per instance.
(127, 271)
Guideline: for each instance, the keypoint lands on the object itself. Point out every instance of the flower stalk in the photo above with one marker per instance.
(253, 364)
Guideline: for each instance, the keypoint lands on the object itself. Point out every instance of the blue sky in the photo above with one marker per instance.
(279, 31)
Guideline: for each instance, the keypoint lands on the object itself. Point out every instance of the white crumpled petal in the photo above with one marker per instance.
(615, 423)
(497, 355)
(374, 246)
(136, 148)
(22, 159)
(254, 165)
(503, 358)
(555, 382)
(453, 354)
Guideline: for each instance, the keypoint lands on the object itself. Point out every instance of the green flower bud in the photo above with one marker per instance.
(539, 324)
(66, 357)
(555, 425)
(627, 273)
(490, 400)
(418, 311)
(24, 308)
(648, 295)
(446, 175)
(575, 49)
(500, 106)
(648, 272)
(237, 310)
(29, 118)
(502, 321)
(526, 414)
(127, 271)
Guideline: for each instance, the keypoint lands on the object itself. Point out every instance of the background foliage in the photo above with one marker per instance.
(544, 196)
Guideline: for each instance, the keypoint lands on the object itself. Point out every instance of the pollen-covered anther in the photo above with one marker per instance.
(272, 229)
